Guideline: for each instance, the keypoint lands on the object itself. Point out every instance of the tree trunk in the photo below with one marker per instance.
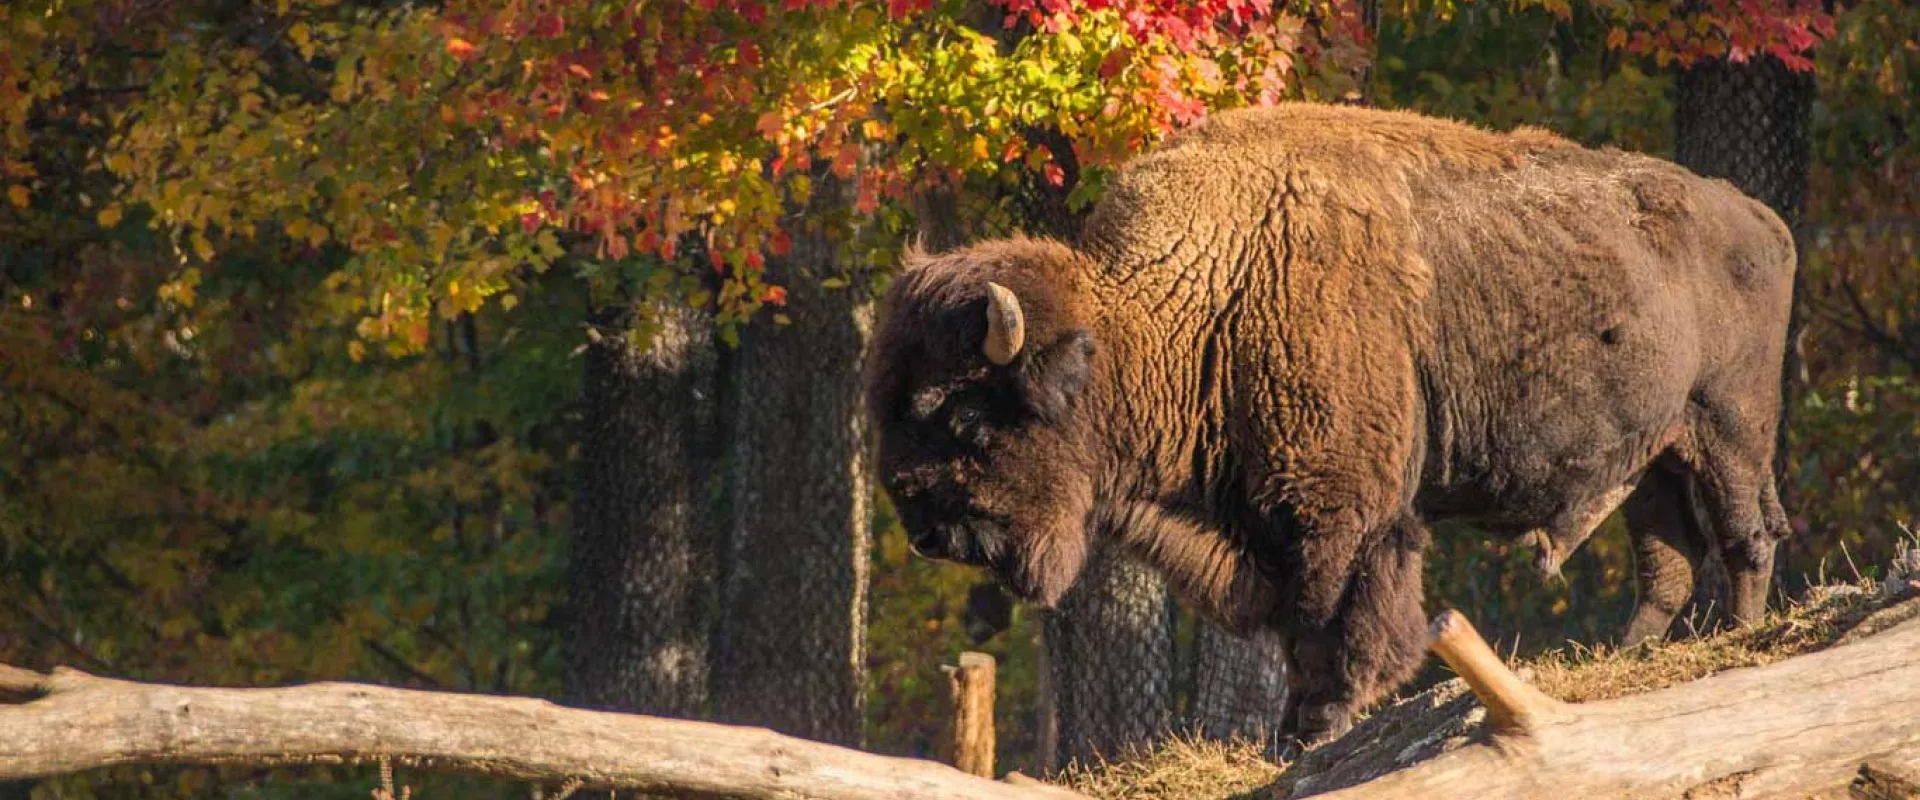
(1110, 654)
(792, 654)
(1239, 685)
(642, 565)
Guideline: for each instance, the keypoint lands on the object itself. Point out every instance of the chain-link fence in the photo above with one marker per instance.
(1109, 661)
(1239, 686)
(1120, 674)
(1747, 123)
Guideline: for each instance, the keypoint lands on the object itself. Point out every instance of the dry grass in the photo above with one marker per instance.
(1181, 767)
(1580, 674)
(1197, 770)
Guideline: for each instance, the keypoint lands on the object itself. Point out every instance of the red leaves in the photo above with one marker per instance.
(1186, 23)
(1735, 29)
(898, 9)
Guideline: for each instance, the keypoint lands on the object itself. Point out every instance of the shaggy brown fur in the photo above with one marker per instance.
(1292, 337)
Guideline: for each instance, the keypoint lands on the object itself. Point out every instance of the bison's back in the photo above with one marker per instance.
(1370, 298)
(1581, 301)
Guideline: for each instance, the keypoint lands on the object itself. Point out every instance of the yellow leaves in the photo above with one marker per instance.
(109, 217)
(302, 38)
(980, 151)
(345, 80)
(1069, 43)
(301, 229)
(462, 298)
(19, 195)
(357, 350)
(181, 290)
(1616, 38)
(201, 246)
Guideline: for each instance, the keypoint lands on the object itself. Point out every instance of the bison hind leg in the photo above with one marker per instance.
(1373, 642)
(1730, 467)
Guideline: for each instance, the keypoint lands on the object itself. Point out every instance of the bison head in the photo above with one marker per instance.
(977, 390)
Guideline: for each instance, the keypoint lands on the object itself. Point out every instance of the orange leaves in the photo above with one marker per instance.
(846, 159)
(770, 124)
(460, 49)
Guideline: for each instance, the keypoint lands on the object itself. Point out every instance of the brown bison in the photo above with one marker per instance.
(1291, 338)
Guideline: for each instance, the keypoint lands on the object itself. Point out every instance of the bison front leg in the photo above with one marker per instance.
(1667, 548)
(1372, 641)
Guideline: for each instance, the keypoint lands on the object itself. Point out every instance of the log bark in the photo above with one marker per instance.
(1809, 725)
(76, 721)
(970, 738)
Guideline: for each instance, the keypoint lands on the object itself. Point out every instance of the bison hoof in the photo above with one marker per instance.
(1316, 724)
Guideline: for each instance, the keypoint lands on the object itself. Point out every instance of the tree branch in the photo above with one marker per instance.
(78, 721)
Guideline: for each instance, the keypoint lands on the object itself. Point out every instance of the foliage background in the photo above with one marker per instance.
(290, 315)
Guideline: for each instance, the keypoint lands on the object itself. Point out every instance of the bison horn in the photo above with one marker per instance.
(1006, 325)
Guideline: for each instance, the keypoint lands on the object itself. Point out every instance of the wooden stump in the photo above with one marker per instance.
(970, 741)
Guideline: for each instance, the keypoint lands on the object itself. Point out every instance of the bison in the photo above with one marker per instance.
(1290, 338)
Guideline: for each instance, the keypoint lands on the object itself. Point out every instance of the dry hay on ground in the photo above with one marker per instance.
(1440, 718)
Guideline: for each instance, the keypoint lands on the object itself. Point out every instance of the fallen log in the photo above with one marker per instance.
(1813, 725)
(72, 721)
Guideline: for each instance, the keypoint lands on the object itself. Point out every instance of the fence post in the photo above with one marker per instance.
(969, 737)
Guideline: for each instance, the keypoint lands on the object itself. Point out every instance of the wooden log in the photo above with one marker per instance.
(73, 721)
(969, 736)
(1816, 724)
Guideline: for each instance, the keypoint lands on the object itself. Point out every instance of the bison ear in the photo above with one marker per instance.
(1054, 377)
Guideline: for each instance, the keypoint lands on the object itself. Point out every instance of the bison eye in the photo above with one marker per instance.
(967, 426)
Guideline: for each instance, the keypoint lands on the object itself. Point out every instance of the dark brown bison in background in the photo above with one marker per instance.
(1290, 338)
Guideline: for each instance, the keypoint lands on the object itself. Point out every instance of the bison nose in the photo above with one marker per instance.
(926, 544)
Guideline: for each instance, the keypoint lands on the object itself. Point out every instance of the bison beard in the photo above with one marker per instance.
(1291, 338)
